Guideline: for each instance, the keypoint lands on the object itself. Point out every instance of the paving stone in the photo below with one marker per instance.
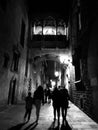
(12, 119)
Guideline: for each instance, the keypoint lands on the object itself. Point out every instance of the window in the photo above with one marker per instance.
(6, 60)
(15, 61)
(78, 15)
(49, 30)
(79, 21)
(61, 27)
(22, 37)
(77, 70)
(49, 26)
(37, 29)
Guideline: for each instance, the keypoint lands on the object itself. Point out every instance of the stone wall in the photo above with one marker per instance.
(93, 66)
(86, 98)
(11, 18)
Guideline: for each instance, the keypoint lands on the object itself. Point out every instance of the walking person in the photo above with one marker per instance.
(45, 95)
(38, 100)
(28, 107)
(49, 95)
(56, 103)
(64, 99)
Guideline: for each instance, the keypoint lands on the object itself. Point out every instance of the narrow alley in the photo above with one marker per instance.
(53, 45)
(12, 119)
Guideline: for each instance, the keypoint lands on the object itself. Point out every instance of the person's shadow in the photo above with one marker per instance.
(19, 126)
(66, 127)
(58, 127)
(31, 126)
(52, 126)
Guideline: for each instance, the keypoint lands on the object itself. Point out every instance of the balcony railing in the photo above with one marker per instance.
(49, 38)
(49, 41)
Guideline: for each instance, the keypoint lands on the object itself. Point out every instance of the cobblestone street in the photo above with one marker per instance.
(11, 118)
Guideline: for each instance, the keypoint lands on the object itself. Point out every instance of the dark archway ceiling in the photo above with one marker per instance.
(50, 54)
(57, 9)
(48, 57)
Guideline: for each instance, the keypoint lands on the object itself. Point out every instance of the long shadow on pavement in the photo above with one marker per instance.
(52, 126)
(62, 127)
(31, 126)
(17, 127)
(66, 127)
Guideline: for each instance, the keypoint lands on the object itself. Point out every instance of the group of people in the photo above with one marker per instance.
(36, 100)
(47, 95)
(59, 97)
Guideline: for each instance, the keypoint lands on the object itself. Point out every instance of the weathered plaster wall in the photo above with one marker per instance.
(10, 31)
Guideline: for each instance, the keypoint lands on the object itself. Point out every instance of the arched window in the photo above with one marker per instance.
(61, 27)
(49, 26)
(6, 60)
(37, 29)
(15, 59)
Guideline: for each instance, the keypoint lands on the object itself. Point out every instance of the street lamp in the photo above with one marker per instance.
(56, 73)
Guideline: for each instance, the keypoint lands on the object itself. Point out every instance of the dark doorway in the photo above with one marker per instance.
(11, 95)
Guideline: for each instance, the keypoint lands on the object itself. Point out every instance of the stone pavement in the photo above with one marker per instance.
(12, 119)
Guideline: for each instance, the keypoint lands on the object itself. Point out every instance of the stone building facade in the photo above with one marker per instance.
(83, 33)
(13, 41)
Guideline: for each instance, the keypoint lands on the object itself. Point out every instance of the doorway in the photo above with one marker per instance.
(12, 87)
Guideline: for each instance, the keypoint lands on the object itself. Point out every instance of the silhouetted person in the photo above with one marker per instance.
(28, 106)
(56, 103)
(49, 95)
(64, 97)
(38, 99)
(46, 95)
